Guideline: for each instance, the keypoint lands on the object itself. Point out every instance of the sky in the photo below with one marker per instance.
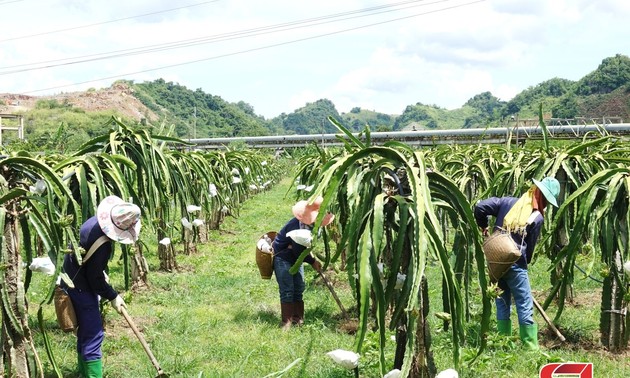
(279, 55)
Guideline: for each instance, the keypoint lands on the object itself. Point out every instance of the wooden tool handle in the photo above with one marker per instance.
(549, 322)
(332, 291)
(154, 361)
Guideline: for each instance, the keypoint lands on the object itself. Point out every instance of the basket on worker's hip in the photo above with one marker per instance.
(501, 252)
(264, 259)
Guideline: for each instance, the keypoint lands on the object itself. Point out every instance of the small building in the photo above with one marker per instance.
(11, 122)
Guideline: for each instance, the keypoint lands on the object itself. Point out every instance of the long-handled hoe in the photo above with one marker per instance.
(549, 322)
(160, 372)
(344, 313)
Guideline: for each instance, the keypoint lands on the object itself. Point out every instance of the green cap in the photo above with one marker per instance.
(550, 188)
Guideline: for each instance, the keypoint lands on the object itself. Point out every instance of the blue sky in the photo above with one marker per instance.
(279, 55)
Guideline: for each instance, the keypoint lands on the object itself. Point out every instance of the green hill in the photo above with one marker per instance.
(428, 117)
(197, 114)
(310, 119)
(602, 93)
(57, 122)
(358, 118)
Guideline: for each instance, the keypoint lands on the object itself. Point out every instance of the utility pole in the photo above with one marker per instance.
(195, 122)
(322, 133)
(189, 133)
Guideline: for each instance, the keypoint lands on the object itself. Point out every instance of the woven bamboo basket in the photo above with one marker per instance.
(501, 252)
(265, 260)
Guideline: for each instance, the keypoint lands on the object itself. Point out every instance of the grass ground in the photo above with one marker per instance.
(216, 317)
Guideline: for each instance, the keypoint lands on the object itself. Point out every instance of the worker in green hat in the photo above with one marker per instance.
(522, 218)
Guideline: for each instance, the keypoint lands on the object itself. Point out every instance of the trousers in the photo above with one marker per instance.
(291, 286)
(515, 284)
(90, 333)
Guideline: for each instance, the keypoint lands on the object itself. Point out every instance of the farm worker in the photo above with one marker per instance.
(118, 221)
(286, 252)
(523, 218)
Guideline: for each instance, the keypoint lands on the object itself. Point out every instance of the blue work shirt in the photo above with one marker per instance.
(498, 208)
(90, 276)
(286, 248)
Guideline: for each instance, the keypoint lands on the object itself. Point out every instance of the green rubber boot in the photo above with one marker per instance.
(504, 327)
(94, 369)
(529, 336)
(81, 366)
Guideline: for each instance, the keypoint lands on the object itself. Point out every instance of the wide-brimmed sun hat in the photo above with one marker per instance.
(119, 220)
(550, 188)
(307, 212)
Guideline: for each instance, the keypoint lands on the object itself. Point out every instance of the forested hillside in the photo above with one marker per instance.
(603, 92)
(197, 114)
(357, 118)
(69, 119)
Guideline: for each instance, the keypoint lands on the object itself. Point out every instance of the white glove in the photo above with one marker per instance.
(118, 303)
(303, 237)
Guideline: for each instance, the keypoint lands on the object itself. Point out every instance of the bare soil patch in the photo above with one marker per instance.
(119, 97)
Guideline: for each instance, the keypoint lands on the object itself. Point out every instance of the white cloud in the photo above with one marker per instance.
(302, 98)
(505, 92)
(521, 7)
(427, 55)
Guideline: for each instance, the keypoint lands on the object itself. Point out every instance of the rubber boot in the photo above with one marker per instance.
(286, 310)
(504, 327)
(298, 313)
(94, 369)
(529, 336)
(81, 366)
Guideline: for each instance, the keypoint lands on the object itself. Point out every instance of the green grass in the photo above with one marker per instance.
(216, 317)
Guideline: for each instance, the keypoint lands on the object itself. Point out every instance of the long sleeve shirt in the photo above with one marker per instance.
(90, 276)
(498, 208)
(286, 248)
